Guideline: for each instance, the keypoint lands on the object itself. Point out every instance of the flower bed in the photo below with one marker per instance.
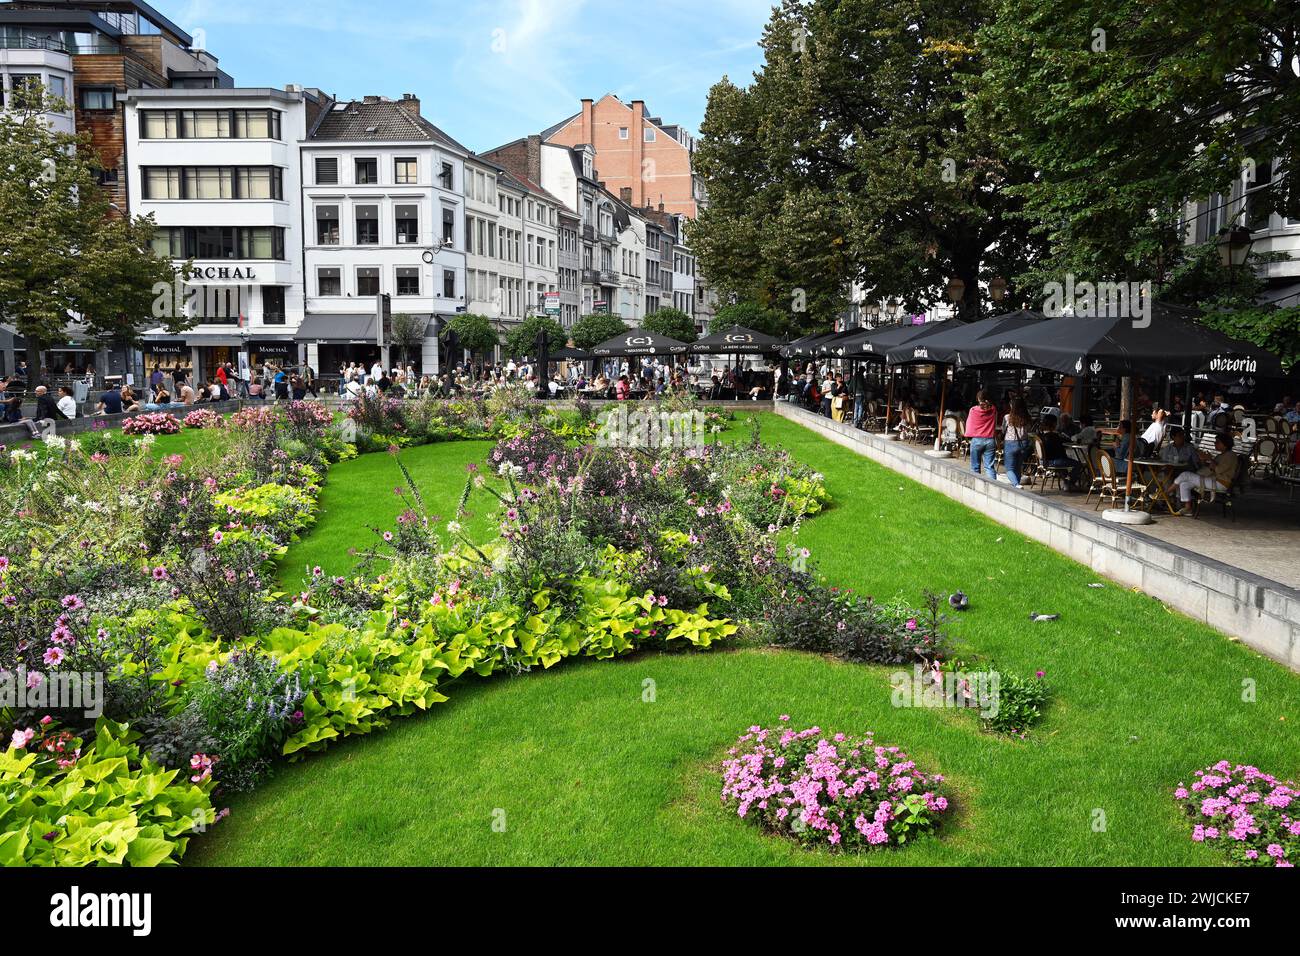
(832, 791)
(153, 423)
(1251, 815)
(204, 418)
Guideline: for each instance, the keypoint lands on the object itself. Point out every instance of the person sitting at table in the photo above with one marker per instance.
(1293, 416)
(1087, 434)
(1055, 455)
(623, 390)
(1066, 426)
(1122, 449)
(1217, 474)
(1154, 435)
(1179, 453)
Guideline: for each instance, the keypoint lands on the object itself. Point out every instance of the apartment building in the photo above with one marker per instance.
(218, 170)
(383, 199)
(569, 266)
(96, 50)
(482, 213)
(541, 227)
(1242, 207)
(44, 64)
(635, 151)
(510, 252)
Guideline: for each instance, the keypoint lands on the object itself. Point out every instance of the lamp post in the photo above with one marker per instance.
(997, 289)
(1234, 249)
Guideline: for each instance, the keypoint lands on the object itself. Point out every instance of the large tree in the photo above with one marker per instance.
(474, 333)
(1129, 109)
(590, 330)
(860, 153)
(751, 315)
(522, 339)
(673, 323)
(62, 257)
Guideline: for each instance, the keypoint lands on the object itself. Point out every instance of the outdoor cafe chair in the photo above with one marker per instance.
(1226, 499)
(1096, 480)
(1113, 483)
(1045, 472)
(1264, 458)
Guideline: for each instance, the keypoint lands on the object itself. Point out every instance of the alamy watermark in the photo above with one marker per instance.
(1096, 300)
(931, 687)
(645, 428)
(22, 689)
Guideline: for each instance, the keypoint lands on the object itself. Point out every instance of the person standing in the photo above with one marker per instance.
(1015, 440)
(981, 429)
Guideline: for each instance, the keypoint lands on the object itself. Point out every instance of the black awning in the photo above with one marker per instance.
(737, 340)
(640, 342)
(947, 339)
(1169, 342)
(324, 328)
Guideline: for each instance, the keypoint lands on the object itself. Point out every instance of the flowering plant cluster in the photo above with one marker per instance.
(830, 790)
(1250, 814)
(204, 418)
(152, 423)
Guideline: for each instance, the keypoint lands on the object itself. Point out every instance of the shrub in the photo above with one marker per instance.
(204, 418)
(282, 509)
(1251, 815)
(1020, 703)
(102, 803)
(153, 423)
(834, 791)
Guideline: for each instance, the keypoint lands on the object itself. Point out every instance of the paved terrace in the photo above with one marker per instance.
(1241, 577)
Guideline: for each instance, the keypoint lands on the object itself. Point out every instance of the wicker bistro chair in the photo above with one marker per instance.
(873, 420)
(1096, 480)
(1113, 484)
(922, 434)
(1265, 456)
(1044, 472)
(1225, 498)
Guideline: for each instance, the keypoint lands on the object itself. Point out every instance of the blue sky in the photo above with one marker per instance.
(488, 72)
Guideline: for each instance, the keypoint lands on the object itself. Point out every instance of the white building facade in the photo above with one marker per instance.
(384, 211)
(218, 170)
(49, 68)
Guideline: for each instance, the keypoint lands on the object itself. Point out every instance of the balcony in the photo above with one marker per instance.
(591, 276)
(608, 277)
(588, 233)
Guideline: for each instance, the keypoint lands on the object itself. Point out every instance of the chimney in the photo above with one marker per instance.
(411, 103)
(586, 121)
(370, 99)
(625, 194)
(535, 158)
(638, 150)
(661, 204)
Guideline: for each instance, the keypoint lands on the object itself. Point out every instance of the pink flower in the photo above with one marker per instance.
(54, 656)
(22, 738)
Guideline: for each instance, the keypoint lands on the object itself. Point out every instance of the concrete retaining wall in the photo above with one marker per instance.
(1263, 614)
(13, 435)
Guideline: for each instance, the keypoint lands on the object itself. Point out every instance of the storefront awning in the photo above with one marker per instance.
(340, 328)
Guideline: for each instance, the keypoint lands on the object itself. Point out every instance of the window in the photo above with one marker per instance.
(210, 124)
(367, 172)
(448, 284)
(161, 182)
(58, 89)
(408, 280)
(107, 177)
(327, 171)
(367, 280)
(622, 132)
(220, 242)
(327, 225)
(367, 225)
(273, 305)
(329, 281)
(445, 176)
(406, 171)
(448, 224)
(93, 98)
(212, 182)
(649, 135)
(408, 224)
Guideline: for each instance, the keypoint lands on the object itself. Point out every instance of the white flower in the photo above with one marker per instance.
(20, 455)
(55, 443)
(453, 527)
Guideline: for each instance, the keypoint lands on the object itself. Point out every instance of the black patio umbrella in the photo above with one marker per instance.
(737, 340)
(806, 347)
(569, 354)
(947, 340)
(1169, 343)
(833, 346)
(873, 344)
(640, 342)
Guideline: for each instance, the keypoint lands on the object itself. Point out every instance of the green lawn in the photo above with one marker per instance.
(358, 496)
(588, 773)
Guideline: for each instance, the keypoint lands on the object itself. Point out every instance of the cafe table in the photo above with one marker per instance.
(1155, 472)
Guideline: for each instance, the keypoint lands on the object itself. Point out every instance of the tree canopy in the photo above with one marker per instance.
(673, 323)
(590, 330)
(521, 340)
(61, 254)
(859, 154)
(474, 333)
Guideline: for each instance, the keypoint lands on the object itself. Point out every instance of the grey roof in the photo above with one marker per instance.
(386, 121)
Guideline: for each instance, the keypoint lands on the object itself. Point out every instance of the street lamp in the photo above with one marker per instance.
(997, 289)
(1234, 246)
(956, 289)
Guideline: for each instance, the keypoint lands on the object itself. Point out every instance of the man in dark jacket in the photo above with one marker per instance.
(47, 413)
